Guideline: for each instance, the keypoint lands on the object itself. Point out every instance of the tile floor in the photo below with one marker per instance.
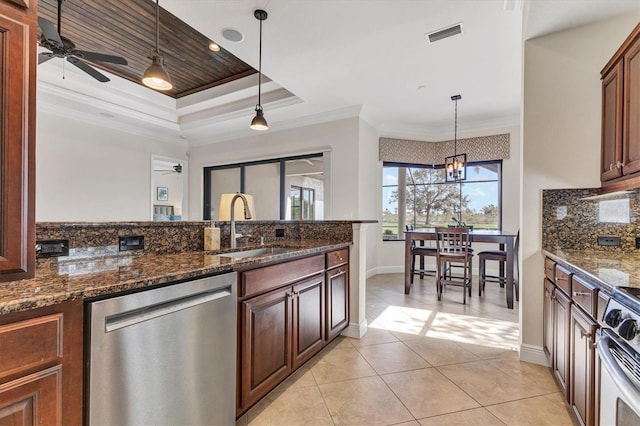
(422, 362)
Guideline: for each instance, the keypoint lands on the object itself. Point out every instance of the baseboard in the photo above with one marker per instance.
(356, 331)
(385, 270)
(533, 354)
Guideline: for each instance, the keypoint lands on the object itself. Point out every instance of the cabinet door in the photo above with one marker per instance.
(18, 47)
(265, 344)
(34, 399)
(337, 301)
(308, 319)
(582, 365)
(548, 321)
(631, 117)
(561, 332)
(612, 98)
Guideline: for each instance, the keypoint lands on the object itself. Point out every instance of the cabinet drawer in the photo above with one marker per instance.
(549, 269)
(259, 280)
(30, 343)
(585, 295)
(337, 258)
(563, 279)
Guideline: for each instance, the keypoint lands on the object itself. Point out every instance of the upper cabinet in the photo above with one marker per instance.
(18, 48)
(620, 159)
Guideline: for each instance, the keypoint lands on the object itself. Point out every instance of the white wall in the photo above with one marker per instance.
(87, 172)
(390, 254)
(561, 140)
(369, 190)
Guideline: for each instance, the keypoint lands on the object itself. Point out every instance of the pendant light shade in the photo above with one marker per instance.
(259, 122)
(156, 76)
(455, 165)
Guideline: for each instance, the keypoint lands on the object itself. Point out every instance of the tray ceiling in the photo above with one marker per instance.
(127, 29)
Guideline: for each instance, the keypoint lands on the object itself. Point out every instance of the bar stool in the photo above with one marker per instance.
(453, 247)
(420, 251)
(501, 257)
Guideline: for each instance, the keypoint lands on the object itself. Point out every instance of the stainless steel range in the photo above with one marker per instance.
(618, 365)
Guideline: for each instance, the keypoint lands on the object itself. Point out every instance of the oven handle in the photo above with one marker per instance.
(628, 390)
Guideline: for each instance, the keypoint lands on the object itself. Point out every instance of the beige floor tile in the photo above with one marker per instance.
(374, 336)
(300, 406)
(301, 378)
(392, 357)
(537, 411)
(428, 393)
(490, 352)
(366, 401)
(488, 384)
(477, 416)
(341, 364)
(441, 352)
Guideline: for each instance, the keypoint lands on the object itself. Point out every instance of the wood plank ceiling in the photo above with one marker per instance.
(127, 29)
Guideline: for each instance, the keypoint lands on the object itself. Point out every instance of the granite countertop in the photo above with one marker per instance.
(607, 269)
(87, 278)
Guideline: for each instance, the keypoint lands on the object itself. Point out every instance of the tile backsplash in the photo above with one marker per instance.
(575, 218)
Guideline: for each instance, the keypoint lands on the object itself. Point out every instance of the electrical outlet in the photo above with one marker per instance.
(52, 248)
(131, 242)
(608, 240)
(279, 232)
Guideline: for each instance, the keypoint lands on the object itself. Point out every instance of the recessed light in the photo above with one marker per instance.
(214, 47)
(232, 35)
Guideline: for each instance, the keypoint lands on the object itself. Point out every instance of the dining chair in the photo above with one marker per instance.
(420, 251)
(499, 256)
(453, 248)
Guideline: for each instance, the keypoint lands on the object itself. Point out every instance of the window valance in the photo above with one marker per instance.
(483, 148)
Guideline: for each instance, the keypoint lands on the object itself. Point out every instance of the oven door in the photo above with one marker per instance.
(619, 381)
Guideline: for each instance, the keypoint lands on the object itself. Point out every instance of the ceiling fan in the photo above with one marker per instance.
(175, 169)
(62, 47)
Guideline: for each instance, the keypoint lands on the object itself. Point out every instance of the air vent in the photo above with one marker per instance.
(444, 33)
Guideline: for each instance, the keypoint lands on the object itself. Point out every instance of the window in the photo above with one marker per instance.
(282, 188)
(302, 203)
(419, 196)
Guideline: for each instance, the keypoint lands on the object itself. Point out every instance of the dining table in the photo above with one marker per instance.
(505, 239)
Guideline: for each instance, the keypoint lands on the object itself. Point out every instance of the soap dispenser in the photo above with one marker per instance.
(212, 237)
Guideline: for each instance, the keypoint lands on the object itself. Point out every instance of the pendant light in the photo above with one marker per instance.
(259, 122)
(156, 77)
(456, 165)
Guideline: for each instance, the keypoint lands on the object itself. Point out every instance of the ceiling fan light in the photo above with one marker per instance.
(259, 122)
(156, 77)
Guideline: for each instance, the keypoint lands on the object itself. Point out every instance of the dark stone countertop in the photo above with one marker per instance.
(104, 276)
(606, 269)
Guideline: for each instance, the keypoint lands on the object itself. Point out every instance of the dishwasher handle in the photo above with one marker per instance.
(125, 319)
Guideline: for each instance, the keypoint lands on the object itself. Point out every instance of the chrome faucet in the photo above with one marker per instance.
(247, 215)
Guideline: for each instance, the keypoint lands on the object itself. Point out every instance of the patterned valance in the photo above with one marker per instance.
(484, 148)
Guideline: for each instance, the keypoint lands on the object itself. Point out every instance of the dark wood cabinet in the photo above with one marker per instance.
(582, 374)
(337, 280)
(548, 320)
(287, 313)
(620, 158)
(41, 366)
(561, 341)
(611, 155)
(18, 48)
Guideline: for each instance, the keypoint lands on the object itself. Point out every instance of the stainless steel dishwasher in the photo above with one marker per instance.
(164, 356)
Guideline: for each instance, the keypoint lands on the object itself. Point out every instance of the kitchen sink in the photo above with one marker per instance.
(263, 251)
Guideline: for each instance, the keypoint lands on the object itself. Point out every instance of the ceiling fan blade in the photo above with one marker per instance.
(94, 56)
(44, 57)
(49, 32)
(88, 69)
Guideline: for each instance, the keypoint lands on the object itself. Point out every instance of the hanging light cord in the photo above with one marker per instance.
(260, 66)
(455, 132)
(157, 26)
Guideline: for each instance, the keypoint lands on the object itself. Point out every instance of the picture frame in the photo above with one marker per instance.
(162, 193)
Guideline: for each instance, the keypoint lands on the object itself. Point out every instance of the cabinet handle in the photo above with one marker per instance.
(583, 334)
(562, 279)
(581, 293)
(553, 297)
(610, 166)
(619, 164)
(593, 345)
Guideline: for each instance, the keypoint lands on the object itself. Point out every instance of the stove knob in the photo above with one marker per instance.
(613, 318)
(628, 329)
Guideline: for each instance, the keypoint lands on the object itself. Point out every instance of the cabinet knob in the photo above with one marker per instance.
(584, 334)
(619, 164)
(610, 166)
